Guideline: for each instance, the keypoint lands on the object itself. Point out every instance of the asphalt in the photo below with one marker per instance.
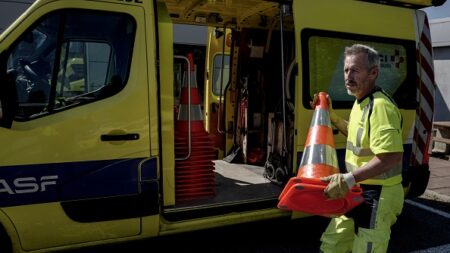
(439, 184)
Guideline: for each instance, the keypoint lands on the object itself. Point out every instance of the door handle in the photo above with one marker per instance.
(119, 137)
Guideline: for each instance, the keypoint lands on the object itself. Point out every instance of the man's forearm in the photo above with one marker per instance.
(380, 164)
(339, 123)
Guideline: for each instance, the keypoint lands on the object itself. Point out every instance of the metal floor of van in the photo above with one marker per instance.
(235, 182)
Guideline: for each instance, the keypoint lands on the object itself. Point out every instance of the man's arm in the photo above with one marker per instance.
(378, 165)
(339, 184)
(339, 123)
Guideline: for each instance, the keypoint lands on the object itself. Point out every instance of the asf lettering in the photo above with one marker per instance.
(23, 185)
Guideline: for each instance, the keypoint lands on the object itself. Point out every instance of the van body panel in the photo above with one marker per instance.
(47, 146)
(165, 37)
(56, 229)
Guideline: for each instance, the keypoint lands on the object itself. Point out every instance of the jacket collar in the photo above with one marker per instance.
(375, 89)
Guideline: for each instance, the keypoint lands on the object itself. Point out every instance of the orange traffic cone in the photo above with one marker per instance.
(194, 169)
(305, 191)
(190, 114)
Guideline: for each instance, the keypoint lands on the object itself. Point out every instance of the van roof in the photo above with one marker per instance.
(251, 12)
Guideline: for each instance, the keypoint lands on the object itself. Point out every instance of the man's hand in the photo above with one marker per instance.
(316, 100)
(333, 115)
(338, 185)
(337, 121)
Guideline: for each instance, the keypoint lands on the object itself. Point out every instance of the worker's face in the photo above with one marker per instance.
(359, 79)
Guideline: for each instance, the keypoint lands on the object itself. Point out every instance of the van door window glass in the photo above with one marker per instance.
(326, 63)
(217, 73)
(84, 70)
(70, 58)
(30, 63)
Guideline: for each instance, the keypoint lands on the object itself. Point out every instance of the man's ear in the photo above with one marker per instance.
(374, 73)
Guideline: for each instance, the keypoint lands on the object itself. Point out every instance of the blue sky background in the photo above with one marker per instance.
(438, 12)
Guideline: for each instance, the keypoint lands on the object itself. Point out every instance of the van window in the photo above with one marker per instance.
(324, 55)
(217, 73)
(84, 70)
(70, 58)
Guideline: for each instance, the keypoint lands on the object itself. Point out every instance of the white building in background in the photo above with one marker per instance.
(10, 10)
(440, 36)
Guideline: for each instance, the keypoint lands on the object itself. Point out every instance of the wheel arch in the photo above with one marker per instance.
(9, 240)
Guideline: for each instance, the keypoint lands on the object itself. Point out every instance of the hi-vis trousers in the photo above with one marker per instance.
(366, 228)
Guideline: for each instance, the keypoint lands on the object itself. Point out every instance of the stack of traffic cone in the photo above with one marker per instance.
(305, 191)
(194, 172)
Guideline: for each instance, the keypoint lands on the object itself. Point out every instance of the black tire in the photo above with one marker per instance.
(269, 171)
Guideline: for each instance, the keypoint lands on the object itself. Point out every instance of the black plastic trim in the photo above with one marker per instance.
(113, 208)
(119, 137)
(218, 210)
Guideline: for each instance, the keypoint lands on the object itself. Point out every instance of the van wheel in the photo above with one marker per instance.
(5, 241)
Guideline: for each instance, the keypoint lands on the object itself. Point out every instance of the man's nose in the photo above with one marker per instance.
(349, 75)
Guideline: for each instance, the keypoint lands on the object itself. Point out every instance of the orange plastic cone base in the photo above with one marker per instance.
(194, 176)
(306, 195)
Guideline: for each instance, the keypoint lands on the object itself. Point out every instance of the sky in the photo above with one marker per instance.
(442, 11)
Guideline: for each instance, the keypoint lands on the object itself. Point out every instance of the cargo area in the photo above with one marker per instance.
(238, 147)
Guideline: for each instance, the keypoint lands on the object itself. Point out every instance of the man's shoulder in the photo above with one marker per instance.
(383, 99)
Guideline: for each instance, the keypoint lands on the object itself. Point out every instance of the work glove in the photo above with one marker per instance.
(333, 115)
(338, 185)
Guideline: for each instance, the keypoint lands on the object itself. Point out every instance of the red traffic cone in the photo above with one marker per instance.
(305, 191)
(190, 114)
(194, 169)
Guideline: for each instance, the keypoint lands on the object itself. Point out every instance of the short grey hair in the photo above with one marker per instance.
(372, 54)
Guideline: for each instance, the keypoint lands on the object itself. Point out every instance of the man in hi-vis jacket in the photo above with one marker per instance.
(373, 160)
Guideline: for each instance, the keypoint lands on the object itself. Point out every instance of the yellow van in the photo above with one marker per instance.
(108, 135)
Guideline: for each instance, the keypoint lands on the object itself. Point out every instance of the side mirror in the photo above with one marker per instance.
(7, 94)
